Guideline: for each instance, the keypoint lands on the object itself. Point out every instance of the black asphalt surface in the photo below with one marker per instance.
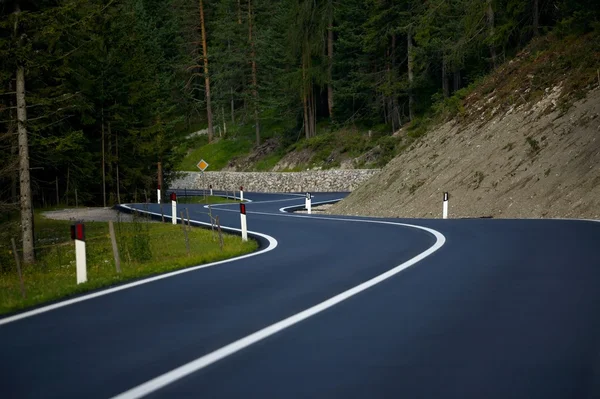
(504, 309)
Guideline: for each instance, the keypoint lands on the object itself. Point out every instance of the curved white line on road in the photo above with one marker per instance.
(333, 201)
(168, 378)
(259, 202)
(272, 245)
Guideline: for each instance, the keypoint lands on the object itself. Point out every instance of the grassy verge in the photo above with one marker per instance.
(145, 249)
(217, 154)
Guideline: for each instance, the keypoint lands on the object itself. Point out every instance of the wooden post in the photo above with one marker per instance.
(220, 233)
(76, 200)
(187, 213)
(162, 213)
(185, 233)
(212, 221)
(18, 262)
(115, 248)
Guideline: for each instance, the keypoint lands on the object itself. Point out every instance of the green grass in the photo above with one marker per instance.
(217, 154)
(145, 249)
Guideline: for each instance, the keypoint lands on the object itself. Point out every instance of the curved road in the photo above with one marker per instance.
(334, 307)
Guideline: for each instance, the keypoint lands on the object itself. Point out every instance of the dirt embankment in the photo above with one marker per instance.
(535, 160)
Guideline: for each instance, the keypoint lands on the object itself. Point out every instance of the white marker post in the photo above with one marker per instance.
(211, 192)
(174, 208)
(158, 195)
(243, 222)
(78, 234)
(242, 193)
(445, 208)
(308, 203)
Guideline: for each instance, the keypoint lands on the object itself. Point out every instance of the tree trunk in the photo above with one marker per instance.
(457, 80)
(111, 197)
(411, 77)
(232, 108)
(103, 164)
(239, 12)
(491, 30)
(305, 104)
(330, 66)
(254, 79)
(117, 168)
(536, 17)
(24, 174)
(445, 88)
(206, 76)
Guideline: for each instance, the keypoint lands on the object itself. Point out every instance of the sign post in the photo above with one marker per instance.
(78, 234)
(445, 207)
(174, 207)
(243, 222)
(202, 165)
(308, 203)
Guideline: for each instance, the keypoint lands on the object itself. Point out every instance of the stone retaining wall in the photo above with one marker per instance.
(273, 182)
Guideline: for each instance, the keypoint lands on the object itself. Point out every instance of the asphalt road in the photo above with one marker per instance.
(335, 307)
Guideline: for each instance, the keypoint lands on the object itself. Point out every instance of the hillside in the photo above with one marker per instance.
(524, 143)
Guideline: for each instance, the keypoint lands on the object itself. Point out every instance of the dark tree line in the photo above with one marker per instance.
(94, 93)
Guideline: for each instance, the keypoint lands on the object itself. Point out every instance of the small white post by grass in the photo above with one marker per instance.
(242, 193)
(243, 223)
(174, 208)
(158, 195)
(211, 190)
(308, 203)
(445, 207)
(78, 234)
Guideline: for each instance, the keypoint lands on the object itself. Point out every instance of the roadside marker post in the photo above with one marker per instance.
(308, 203)
(158, 195)
(174, 207)
(242, 193)
(243, 222)
(211, 191)
(445, 207)
(78, 234)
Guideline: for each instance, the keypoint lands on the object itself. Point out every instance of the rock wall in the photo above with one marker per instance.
(273, 182)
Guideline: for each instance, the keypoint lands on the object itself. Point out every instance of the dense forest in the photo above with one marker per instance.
(95, 93)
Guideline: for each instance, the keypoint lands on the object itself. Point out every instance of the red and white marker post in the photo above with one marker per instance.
(241, 193)
(78, 234)
(158, 195)
(243, 222)
(174, 208)
(308, 203)
(445, 207)
(211, 192)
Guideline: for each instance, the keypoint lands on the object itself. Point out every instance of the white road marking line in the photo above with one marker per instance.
(333, 201)
(272, 245)
(236, 346)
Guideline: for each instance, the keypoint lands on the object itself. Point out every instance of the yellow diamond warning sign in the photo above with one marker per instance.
(202, 165)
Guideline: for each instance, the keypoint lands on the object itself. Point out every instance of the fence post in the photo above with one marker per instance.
(18, 262)
(220, 232)
(445, 206)
(174, 208)
(78, 234)
(243, 222)
(115, 248)
(185, 233)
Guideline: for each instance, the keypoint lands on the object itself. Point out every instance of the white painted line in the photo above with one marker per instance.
(236, 346)
(272, 245)
(257, 202)
(285, 209)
